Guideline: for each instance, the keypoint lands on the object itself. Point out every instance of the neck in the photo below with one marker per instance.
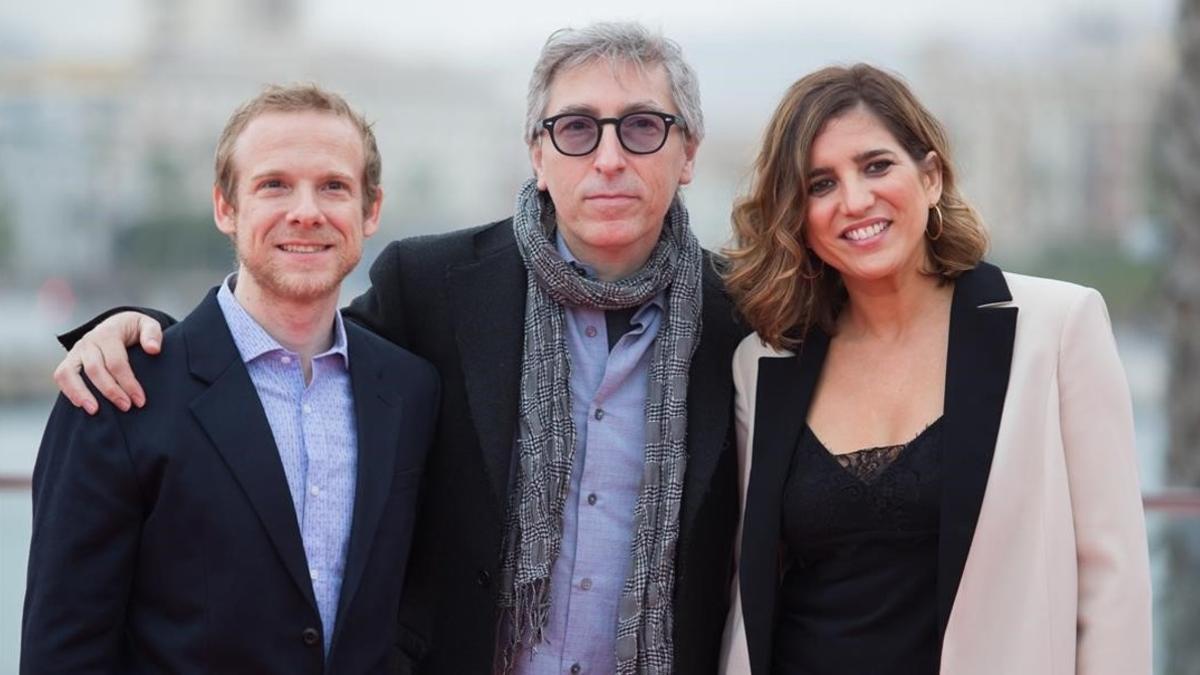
(614, 268)
(888, 310)
(612, 264)
(303, 326)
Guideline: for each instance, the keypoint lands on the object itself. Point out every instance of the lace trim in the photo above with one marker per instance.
(869, 464)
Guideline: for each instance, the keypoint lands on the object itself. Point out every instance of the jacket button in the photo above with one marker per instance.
(483, 579)
(311, 636)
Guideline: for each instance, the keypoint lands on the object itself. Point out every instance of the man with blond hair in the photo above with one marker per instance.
(257, 516)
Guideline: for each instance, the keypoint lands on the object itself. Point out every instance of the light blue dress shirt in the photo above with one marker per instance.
(608, 404)
(314, 430)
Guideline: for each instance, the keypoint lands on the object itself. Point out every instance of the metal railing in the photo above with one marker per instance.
(14, 483)
(1176, 501)
(1172, 501)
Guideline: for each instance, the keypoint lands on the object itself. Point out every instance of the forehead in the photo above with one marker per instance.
(299, 141)
(850, 133)
(609, 87)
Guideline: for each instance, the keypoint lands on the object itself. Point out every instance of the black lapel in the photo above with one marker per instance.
(232, 415)
(378, 417)
(488, 298)
(977, 366)
(710, 398)
(785, 388)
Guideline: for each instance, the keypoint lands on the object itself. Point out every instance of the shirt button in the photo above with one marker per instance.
(314, 490)
(592, 499)
(315, 574)
(285, 360)
(306, 408)
(599, 414)
(576, 669)
(590, 331)
(586, 584)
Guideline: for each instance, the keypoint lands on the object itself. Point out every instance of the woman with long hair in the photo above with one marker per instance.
(938, 460)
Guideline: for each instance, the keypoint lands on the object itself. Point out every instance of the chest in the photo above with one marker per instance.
(874, 394)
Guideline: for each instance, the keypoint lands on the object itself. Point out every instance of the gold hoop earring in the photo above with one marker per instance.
(941, 224)
(809, 276)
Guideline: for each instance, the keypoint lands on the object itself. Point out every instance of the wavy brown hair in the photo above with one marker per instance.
(771, 272)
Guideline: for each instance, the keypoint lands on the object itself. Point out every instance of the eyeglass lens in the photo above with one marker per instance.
(640, 133)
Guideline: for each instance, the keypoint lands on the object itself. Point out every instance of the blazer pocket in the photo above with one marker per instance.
(406, 479)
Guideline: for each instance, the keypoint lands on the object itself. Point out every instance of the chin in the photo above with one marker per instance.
(610, 233)
(308, 290)
(876, 271)
(303, 286)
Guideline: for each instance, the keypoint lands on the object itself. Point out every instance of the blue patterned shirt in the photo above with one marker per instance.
(608, 405)
(314, 430)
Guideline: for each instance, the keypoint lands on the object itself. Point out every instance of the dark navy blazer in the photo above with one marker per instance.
(164, 539)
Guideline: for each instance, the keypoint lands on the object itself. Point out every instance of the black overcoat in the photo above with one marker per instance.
(459, 300)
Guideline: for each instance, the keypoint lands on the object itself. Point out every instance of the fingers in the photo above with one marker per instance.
(105, 359)
(97, 370)
(116, 366)
(149, 335)
(101, 355)
(68, 379)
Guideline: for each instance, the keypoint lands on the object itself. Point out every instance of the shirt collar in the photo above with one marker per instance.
(252, 339)
(659, 300)
(570, 259)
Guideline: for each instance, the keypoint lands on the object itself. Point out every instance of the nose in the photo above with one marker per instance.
(306, 211)
(857, 196)
(609, 156)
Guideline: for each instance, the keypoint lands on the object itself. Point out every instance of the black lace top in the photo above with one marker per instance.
(858, 593)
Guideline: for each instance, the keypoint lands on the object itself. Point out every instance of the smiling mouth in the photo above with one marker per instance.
(867, 232)
(303, 248)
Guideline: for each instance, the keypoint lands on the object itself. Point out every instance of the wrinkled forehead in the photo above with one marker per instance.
(602, 85)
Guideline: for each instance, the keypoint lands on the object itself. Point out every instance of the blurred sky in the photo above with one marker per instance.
(469, 29)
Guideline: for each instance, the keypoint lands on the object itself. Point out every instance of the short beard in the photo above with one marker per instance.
(297, 287)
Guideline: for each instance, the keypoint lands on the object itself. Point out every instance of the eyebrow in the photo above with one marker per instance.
(341, 176)
(646, 105)
(858, 159)
(280, 173)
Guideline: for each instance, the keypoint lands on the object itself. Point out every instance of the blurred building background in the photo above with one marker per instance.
(109, 114)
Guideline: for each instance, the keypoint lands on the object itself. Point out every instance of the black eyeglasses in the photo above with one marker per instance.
(642, 133)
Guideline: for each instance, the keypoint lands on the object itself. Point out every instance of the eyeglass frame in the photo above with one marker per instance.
(667, 118)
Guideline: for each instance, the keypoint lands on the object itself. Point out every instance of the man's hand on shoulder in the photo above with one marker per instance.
(102, 353)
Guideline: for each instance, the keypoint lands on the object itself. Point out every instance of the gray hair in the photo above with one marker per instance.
(615, 43)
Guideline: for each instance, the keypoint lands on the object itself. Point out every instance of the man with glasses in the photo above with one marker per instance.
(581, 497)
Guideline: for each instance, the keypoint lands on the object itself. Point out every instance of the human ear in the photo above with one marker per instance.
(224, 213)
(535, 158)
(931, 177)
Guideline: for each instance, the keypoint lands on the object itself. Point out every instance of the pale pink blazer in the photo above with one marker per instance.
(1056, 579)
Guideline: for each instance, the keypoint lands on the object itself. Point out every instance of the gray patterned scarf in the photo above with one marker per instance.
(546, 437)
